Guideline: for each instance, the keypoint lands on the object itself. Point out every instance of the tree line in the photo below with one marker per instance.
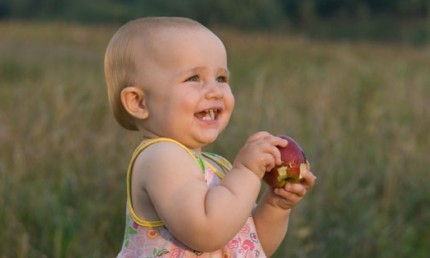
(314, 16)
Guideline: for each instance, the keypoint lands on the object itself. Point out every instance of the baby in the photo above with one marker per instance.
(168, 79)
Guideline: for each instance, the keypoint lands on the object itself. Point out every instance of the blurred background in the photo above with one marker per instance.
(349, 80)
(382, 20)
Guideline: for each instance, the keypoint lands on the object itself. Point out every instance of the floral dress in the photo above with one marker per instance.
(144, 239)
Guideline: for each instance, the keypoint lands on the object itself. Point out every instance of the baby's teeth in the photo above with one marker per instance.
(210, 115)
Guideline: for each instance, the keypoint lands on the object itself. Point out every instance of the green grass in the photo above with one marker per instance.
(360, 111)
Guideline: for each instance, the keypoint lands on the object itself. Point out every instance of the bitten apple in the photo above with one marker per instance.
(293, 165)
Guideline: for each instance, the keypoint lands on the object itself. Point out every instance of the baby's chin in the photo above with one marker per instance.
(203, 140)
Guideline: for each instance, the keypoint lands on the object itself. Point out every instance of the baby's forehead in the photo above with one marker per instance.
(162, 42)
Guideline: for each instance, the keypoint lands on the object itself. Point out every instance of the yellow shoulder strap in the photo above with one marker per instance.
(136, 153)
(223, 163)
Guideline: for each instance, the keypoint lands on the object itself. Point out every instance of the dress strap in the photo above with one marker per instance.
(136, 153)
(220, 161)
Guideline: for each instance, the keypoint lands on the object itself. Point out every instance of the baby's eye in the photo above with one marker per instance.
(194, 78)
(222, 79)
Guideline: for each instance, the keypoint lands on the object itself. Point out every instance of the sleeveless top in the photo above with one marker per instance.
(144, 239)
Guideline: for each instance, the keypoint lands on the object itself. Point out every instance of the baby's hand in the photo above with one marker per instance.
(260, 154)
(291, 194)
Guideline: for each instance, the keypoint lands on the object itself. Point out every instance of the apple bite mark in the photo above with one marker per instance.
(293, 167)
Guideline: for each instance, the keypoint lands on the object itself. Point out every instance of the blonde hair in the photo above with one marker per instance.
(119, 62)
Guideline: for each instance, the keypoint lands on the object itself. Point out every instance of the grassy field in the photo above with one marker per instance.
(361, 111)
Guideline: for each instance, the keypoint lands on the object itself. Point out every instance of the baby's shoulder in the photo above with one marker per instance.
(165, 155)
(163, 148)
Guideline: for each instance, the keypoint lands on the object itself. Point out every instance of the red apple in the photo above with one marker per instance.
(292, 168)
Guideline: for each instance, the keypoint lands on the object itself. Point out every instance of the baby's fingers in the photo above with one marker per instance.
(258, 136)
(274, 143)
(297, 189)
(268, 144)
(290, 195)
(308, 180)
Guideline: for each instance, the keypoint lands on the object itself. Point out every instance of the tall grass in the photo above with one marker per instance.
(360, 111)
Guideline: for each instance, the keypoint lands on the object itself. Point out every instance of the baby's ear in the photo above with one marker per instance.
(133, 100)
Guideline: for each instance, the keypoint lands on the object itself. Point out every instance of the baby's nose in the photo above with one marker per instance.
(214, 90)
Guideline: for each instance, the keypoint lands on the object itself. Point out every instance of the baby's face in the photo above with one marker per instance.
(186, 81)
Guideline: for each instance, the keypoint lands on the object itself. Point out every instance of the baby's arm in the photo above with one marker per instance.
(272, 213)
(202, 218)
